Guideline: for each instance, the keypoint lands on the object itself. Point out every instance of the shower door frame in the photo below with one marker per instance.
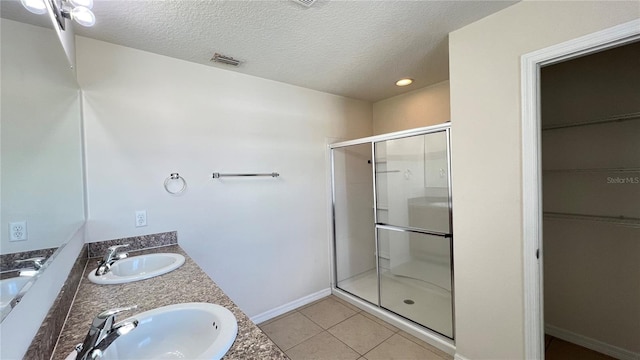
(441, 339)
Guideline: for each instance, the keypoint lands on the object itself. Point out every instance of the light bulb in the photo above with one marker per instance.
(86, 3)
(35, 6)
(404, 82)
(83, 16)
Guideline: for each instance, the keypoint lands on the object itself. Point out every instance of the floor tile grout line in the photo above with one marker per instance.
(315, 322)
(395, 329)
(341, 321)
(329, 334)
(385, 339)
(425, 348)
(348, 304)
(336, 324)
(273, 341)
(307, 339)
(380, 343)
(292, 312)
(345, 344)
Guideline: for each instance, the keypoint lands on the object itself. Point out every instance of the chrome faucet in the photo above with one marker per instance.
(103, 332)
(109, 258)
(37, 262)
(32, 271)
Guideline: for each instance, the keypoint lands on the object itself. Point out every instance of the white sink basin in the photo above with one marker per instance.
(181, 331)
(9, 288)
(138, 268)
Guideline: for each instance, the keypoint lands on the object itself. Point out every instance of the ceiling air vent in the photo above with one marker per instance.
(306, 3)
(219, 58)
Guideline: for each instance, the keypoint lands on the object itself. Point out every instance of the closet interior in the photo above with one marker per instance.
(591, 202)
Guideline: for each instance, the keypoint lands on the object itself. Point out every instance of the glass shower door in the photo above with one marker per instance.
(413, 225)
(355, 259)
(413, 172)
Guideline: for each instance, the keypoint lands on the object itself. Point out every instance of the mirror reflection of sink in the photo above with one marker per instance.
(138, 268)
(180, 331)
(9, 288)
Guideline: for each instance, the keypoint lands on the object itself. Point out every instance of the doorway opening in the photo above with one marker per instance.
(534, 171)
(590, 117)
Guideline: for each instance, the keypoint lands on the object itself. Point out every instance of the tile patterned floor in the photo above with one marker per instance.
(333, 329)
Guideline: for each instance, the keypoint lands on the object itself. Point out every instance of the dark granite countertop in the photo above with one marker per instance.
(185, 284)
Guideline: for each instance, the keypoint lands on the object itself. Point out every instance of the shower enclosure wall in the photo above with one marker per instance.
(392, 224)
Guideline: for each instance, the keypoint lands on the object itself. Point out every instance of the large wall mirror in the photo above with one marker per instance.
(41, 161)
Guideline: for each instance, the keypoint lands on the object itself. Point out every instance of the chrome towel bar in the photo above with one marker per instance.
(218, 175)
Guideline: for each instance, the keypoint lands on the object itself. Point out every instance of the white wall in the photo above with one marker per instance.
(487, 194)
(421, 107)
(263, 240)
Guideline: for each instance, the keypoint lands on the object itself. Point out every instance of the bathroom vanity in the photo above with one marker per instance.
(185, 284)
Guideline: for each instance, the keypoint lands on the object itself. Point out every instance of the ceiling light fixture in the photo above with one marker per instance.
(86, 3)
(35, 6)
(78, 10)
(404, 82)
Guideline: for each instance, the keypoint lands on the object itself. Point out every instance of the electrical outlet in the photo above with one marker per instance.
(141, 218)
(18, 231)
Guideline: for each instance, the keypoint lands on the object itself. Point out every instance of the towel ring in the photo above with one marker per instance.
(175, 176)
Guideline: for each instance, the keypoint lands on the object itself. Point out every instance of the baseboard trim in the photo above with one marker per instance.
(459, 357)
(270, 314)
(589, 343)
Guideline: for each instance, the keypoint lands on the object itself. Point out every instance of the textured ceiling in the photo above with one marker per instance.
(356, 49)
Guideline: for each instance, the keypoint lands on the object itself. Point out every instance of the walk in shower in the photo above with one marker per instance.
(392, 224)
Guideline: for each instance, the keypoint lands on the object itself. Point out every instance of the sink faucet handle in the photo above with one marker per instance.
(121, 328)
(112, 249)
(37, 261)
(112, 312)
(103, 332)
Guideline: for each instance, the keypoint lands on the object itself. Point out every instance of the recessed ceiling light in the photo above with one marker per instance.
(404, 82)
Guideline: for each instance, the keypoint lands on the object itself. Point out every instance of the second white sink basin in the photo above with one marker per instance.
(138, 268)
(180, 331)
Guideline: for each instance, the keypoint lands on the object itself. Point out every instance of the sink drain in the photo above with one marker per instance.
(409, 301)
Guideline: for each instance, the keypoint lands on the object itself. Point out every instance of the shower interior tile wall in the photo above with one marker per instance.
(591, 268)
